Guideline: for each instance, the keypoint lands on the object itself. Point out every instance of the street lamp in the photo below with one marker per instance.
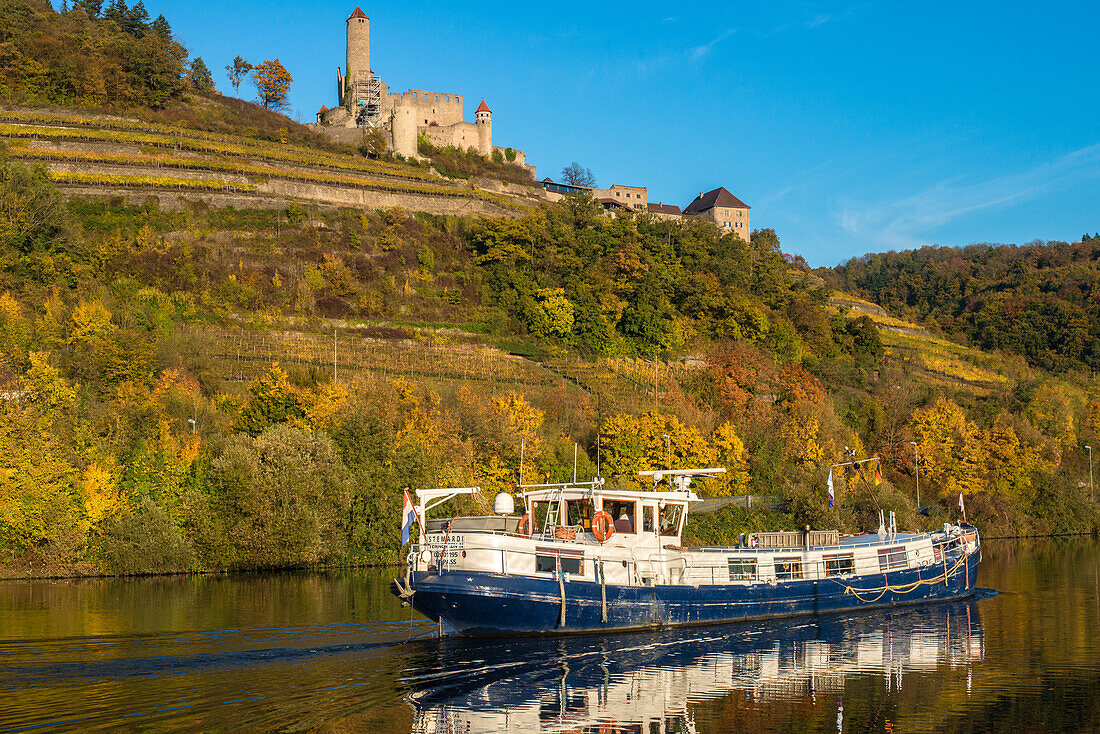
(1092, 494)
(916, 468)
(668, 443)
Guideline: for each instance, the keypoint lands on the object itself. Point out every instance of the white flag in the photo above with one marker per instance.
(961, 507)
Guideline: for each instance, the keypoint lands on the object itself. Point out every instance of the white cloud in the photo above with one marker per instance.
(904, 223)
(699, 52)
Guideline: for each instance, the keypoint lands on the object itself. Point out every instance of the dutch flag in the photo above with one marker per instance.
(408, 516)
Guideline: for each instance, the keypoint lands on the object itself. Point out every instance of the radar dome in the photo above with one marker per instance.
(503, 504)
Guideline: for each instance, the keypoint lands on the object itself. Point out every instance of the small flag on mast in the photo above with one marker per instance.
(878, 473)
(408, 516)
(830, 489)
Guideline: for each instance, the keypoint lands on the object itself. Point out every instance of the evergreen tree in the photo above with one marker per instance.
(161, 27)
(200, 77)
(91, 7)
(116, 11)
(137, 20)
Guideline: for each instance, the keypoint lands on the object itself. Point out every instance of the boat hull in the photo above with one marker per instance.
(480, 603)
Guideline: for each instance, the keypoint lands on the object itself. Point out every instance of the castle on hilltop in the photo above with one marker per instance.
(366, 103)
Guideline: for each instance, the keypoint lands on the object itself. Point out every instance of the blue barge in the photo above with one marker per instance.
(588, 559)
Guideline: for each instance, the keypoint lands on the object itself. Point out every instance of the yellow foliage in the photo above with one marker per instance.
(101, 496)
(951, 449)
(9, 308)
(730, 453)
(801, 439)
(1091, 422)
(90, 322)
(324, 403)
(521, 415)
(633, 443)
(131, 394)
(46, 387)
(1051, 411)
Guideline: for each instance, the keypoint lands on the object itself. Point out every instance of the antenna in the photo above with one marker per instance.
(597, 454)
(521, 441)
(574, 463)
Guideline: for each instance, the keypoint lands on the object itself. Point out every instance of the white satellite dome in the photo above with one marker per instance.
(503, 504)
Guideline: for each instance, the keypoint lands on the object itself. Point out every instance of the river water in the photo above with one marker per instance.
(334, 652)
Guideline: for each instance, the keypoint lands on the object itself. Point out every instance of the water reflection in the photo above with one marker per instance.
(654, 682)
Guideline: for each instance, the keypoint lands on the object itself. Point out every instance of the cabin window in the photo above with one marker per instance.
(549, 564)
(623, 514)
(647, 518)
(539, 511)
(839, 565)
(788, 569)
(579, 512)
(742, 569)
(670, 519)
(891, 558)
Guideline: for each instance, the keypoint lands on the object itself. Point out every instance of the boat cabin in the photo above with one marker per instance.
(654, 518)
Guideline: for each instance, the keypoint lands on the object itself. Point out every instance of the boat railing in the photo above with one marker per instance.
(656, 564)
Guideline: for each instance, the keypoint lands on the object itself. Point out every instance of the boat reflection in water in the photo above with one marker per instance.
(646, 682)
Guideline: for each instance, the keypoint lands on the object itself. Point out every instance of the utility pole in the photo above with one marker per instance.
(916, 468)
(1092, 493)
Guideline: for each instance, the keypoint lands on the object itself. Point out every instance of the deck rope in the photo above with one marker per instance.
(905, 588)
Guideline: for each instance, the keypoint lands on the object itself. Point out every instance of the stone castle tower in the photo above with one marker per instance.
(484, 124)
(358, 45)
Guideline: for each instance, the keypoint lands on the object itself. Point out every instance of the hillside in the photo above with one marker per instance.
(231, 349)
(205, 387)
(87, 153)
(1038, 301)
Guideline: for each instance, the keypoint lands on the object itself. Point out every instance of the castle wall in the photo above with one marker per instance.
(461, 135)
(439, 107)
(521, 156)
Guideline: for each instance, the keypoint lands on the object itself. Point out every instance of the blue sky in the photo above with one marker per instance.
(848, 127)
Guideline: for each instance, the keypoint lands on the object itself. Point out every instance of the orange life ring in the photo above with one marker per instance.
(523, 521)
(602, 526)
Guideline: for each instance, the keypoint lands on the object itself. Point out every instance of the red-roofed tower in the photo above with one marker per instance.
(483, 121)
(358, 68)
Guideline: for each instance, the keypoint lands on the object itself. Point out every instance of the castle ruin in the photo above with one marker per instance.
(366, 103)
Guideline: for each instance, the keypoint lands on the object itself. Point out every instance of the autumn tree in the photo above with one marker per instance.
(272, 400)
(272, 82)
(237, 71)
(577, 175)
(632, 443)
(950, 446)
(730, 453)
(374, 143)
